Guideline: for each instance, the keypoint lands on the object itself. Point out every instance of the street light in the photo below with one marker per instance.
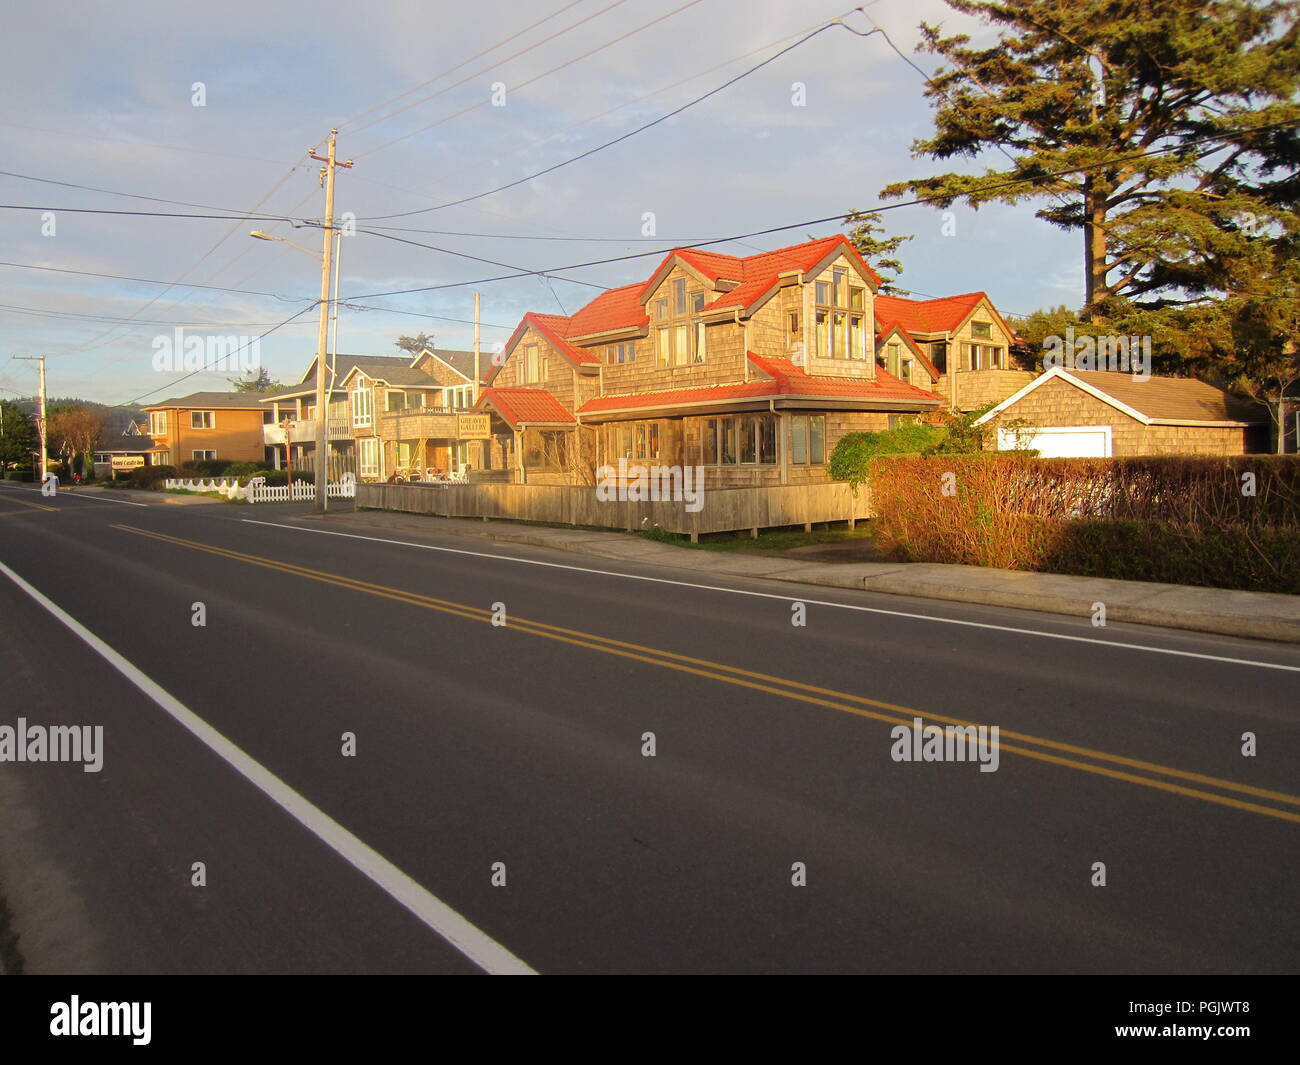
(283, 240)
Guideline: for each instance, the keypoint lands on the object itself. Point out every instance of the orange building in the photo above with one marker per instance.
(207, 425)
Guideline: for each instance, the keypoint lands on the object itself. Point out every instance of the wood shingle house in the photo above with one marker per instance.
(1103, 414)
(751, 367)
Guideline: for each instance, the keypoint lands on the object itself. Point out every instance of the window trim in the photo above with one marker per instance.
(363, 413)
(801, 431)
(209, 416)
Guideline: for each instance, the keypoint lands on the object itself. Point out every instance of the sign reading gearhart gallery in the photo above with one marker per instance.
(474, 426)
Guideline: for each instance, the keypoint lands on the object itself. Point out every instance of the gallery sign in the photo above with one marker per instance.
(474, 427)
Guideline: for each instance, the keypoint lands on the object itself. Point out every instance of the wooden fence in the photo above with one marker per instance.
(723, 510)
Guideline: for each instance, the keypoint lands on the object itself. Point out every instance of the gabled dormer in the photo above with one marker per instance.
(902, 357)
(539, 355)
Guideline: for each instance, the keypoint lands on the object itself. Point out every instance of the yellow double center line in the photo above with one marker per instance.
(1101, 763)
(8, 497)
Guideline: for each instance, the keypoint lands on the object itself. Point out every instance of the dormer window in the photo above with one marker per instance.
(981, 330)
(840, 325)
(679, 333)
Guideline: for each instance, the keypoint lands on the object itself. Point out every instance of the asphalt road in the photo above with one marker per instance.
(522, 744)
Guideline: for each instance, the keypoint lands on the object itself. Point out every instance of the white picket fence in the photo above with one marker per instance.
(257, 490)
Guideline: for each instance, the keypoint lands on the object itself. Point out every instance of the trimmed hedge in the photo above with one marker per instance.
(151, 477)
(1173, 520)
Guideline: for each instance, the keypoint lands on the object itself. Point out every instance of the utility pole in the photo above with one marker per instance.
(40, 417)
(327, 263)
(477, 352)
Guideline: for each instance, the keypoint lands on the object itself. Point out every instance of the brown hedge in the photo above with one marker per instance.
(1174, 520)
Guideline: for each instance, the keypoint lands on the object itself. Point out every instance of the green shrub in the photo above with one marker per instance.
(852, 456)
(20, 475)
(245, 469)
(151, 477)
(201, 468)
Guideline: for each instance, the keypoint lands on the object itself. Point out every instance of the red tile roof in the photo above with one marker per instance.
(785, 379)
(794, 381)
(619, 308)
(517, 405)
(756, 273)
(928, 316)
(554, 329)
(912, 345)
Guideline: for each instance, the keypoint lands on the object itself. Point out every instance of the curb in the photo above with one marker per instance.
(1255, 615)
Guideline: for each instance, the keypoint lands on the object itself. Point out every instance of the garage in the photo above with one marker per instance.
(1103, 414)
(1059, 442)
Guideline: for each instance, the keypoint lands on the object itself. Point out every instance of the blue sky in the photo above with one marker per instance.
(101, 95)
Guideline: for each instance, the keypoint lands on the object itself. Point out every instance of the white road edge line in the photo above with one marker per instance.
(793, 598)
(475, 944)
(97, 499)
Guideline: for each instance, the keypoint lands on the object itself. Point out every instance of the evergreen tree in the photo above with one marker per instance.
(1209, 84)
(879, 251)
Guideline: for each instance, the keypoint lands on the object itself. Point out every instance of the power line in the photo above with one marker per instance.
(617, 140)
(114, 192)
(49, 312)
(296, 222)
(475, 258)
(222, 357)
(153, 281)
(497, 64)
(539, 77)
(919, 201)
(194, 266)
(444, 176)
(528, 81)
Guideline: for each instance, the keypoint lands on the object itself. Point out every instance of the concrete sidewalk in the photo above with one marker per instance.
(1258, 615)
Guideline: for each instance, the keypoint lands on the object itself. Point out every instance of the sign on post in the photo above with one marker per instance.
(126, 462)
(474, 426)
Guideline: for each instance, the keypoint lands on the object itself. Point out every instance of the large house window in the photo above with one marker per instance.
(458, 398)
(363, 400)
(158, 423)
(739, 439)
(982, 330)
(808, 439)
(621, 352)
(200, 456)
(200, 419)
(985, 357)
(679, 333)
(368, 456)
(840, 322)
(637, 440)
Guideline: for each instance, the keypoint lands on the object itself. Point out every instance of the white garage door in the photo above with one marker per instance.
(1068, 442)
